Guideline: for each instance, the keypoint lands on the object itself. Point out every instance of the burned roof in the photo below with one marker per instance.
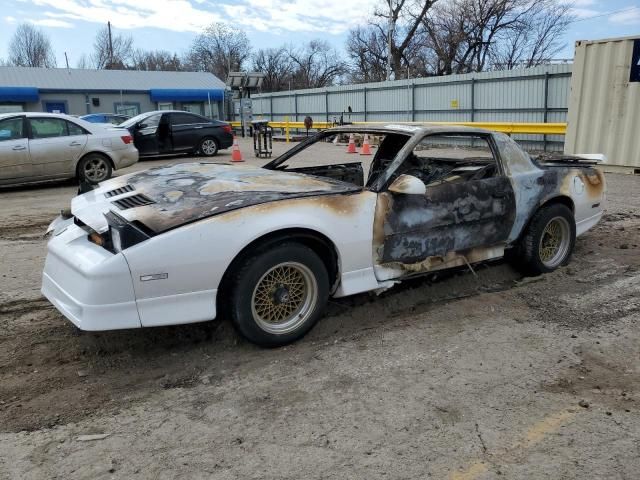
(402, 128)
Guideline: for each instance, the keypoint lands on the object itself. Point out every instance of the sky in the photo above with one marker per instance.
(172, 24)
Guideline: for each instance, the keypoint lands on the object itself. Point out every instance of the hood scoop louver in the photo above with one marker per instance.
(137, 200)
(118, 191)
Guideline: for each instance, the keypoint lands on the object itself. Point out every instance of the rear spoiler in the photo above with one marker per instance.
(593, 157)
(580, 159)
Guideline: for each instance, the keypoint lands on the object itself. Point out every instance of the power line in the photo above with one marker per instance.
(606, 14)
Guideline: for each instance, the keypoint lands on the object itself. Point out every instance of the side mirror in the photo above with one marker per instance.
(408, 185)
(140, 126)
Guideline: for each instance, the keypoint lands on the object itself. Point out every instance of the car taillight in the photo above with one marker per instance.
(227, 128)
(127, 139)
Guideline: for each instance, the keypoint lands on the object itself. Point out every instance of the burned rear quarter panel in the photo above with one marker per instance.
(534, 186)
(196, 256)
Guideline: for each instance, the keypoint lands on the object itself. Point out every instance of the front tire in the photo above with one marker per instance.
(208, 147)
(278, 295)
(549, 240)
(94, 168)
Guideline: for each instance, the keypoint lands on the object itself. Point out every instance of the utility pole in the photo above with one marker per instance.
(110, 47)
(389, 35)
(66, 59)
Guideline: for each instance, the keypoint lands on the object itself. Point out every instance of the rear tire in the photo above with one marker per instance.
(278, 295)
(548, 241)
(208, 147)
(94, 168)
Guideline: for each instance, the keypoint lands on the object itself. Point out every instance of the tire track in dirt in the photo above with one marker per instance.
(25, 228)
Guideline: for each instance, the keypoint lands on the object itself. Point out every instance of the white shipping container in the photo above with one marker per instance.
(604, 103)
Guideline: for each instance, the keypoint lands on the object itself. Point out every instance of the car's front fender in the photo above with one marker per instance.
(190, 261)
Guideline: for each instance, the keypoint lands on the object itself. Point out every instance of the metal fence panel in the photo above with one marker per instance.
(341, 100)
(283, 105)
(313, 105)
(443, 97)
(387, 117)
(538, 94)
(444, 116)
(510, 94)
(388, 100)
(559, 92)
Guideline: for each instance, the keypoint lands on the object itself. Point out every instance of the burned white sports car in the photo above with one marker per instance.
(268, 246)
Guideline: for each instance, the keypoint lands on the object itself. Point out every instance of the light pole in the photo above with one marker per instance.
(389, 37)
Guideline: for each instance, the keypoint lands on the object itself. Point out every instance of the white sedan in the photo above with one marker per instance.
(36, 147)
(268, 246)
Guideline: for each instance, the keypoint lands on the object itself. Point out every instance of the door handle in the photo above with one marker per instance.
(75, 144)
(19, 147)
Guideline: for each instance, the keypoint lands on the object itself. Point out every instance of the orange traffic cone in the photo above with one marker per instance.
(352, 145)
(366, 148)
(236, 154)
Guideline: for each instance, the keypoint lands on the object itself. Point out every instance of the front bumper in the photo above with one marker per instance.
(89, 285)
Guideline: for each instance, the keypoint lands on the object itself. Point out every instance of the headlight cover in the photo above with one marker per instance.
(123, 234)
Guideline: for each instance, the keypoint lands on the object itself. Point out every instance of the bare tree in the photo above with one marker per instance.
(316, 65)
(312, 65)
(392, 35)
(277, 67)
(445, 34)
(30, 47)
(475, 35)
(219, 50)
(403, 18)
(103, 58)
(367, 53)
(456, 36)
(491, 21)
(160, 60)
(84, 62)
(535, 39)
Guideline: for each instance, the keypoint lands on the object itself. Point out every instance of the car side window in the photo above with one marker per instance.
(451, 158)
(152, 121)
(184, 119)
(75, 129)
(11, 129)
(48, 127)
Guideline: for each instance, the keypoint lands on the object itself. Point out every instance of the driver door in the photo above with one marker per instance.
(146, 135)
(459, 209)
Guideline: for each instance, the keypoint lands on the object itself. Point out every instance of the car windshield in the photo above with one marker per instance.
(320, 157)
(132, 121)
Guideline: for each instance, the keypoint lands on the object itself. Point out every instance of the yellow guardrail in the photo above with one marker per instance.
(504, 127)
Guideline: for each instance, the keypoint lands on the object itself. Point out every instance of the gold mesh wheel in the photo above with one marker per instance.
(554, 242)
(284, 297)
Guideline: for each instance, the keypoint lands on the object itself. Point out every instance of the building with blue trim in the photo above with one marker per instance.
(129, 92)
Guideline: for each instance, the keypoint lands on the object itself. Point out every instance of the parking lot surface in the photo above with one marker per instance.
(460, 377)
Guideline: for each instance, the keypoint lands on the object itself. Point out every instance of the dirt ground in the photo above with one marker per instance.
(458, 377)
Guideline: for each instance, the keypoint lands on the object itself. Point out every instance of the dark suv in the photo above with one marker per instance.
(170, 132)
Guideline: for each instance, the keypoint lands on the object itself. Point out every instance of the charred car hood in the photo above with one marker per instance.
(166, 197)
